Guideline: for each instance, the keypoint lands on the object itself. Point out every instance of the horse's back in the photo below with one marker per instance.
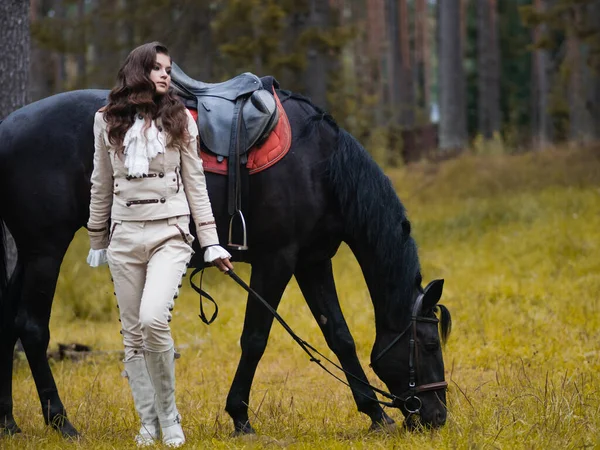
(32, 128)
(291, 203)
(46, 159)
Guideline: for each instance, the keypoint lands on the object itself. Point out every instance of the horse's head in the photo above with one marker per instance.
(409, 360)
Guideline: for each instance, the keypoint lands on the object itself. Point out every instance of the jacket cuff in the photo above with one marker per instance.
(207, 236)
(98, 239)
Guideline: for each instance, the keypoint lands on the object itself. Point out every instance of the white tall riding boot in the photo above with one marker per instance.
(143, 399)
(161, 367)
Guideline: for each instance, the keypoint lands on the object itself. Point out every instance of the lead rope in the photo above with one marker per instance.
(204, 294)
(309, 349)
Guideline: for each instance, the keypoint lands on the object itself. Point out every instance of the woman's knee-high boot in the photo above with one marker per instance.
(161, 367)
(143, 399)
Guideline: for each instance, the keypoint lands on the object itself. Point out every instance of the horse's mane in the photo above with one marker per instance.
(371, 209)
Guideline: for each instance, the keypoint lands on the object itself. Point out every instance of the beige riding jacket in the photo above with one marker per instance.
(174, 186)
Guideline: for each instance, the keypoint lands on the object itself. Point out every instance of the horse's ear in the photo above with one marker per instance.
(432, 294)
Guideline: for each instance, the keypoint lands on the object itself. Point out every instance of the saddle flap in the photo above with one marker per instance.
(216, 103)
(258, 114)
(216, 119)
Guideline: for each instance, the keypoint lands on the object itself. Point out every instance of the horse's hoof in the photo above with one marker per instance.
(243, 429)
(385, 425)
(61, 424)
(9, 428)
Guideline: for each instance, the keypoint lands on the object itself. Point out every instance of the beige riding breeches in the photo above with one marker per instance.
(147, 260)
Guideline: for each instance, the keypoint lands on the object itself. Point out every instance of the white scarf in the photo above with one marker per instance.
(142, 146)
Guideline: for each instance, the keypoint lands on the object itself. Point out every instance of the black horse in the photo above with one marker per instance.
(326, 190)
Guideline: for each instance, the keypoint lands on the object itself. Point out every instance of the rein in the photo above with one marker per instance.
(409, 398)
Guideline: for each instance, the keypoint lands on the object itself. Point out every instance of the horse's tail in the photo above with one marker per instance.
(3, 258)
(3, 264)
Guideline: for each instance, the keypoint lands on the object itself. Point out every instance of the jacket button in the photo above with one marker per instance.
(161, 174)
(162, 200)
(160, 128)
(140, 116)
(128, 204)
(174, 179)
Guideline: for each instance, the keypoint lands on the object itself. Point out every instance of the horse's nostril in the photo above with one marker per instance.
(440, 418)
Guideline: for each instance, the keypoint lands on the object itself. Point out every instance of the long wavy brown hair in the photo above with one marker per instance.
(135, 93)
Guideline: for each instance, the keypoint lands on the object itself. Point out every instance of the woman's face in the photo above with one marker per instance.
(161, 73)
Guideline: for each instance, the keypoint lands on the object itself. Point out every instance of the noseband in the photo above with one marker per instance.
(410, 399)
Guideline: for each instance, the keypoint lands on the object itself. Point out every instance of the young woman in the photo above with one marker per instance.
(147, 180)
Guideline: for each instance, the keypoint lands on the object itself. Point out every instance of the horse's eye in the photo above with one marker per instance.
(432, 346)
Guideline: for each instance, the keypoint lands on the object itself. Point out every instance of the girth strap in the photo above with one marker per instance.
(236, 146)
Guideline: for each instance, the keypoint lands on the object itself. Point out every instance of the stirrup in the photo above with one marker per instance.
(230, 244)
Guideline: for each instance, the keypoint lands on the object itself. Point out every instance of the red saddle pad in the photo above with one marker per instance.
(259, 157)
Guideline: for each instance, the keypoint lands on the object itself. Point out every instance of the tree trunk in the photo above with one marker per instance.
(128, 28)
(104, 61)
(581, 80)
(542, 124)
(15, 51)
(317, 61)
(41, 81)
(82, 46)
(376, 36)
(60, 66)
(399, 66)
(594, 93)
(14, 67)
(488, 68)
(422, 57)
(453, 117)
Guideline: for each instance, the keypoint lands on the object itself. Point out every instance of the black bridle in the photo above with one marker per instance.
(409, 398)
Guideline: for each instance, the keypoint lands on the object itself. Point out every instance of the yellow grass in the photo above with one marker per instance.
(516, 238)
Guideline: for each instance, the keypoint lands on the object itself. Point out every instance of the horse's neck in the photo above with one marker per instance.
(385, 285)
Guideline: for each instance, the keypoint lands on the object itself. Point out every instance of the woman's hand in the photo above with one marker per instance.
(223, 264)
(218, 257)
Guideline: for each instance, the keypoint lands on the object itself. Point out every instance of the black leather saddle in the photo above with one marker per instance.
(236, 109)
(233, 117)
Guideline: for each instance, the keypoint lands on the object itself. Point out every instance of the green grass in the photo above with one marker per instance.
(517, 239)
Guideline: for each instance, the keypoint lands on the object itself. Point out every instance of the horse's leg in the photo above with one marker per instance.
(269, 279)
(33, 317)
(8, 338)
(318, 287)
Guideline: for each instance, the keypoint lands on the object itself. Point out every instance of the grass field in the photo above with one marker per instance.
(517, 239)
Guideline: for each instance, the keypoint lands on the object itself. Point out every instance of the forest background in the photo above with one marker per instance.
(406, 76)
(485, 116)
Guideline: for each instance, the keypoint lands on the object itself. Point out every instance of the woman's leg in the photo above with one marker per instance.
(127, 261)
(168, 261)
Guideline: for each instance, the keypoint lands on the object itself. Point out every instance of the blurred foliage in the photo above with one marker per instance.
(560, 20)
(86, 41)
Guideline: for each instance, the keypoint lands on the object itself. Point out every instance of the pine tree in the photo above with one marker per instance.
(453, 123)
(15, 50)
(488, 68)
